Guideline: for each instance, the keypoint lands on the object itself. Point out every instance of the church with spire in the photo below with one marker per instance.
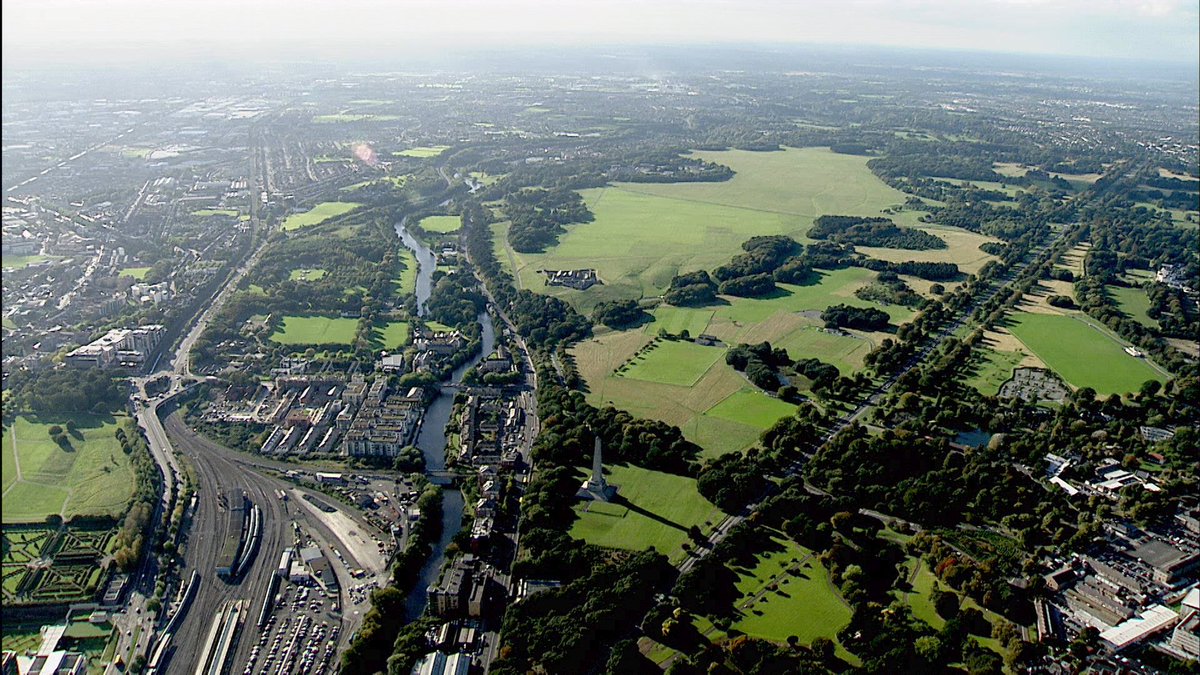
(596, 487)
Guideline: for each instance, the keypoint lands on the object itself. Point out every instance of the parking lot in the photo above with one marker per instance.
(300, 636)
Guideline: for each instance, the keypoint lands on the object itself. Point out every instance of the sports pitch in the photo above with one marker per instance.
(1072, 347)
(315, 330)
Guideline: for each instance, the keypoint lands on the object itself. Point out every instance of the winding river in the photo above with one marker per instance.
(432, 437)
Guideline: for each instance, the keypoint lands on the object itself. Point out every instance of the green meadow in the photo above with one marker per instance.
(789, 593)
(423, 152)
(391, 335)
(1134, 302)
(317, 215)
(352, 117)
(673, 362)
(644, 234)
(720, 410)
(751, 407)
(20, 261)
(316, 330)
(652, 509)
(407, 283)
(92, 477)
(232, 213)
(138, 273)
(441, 224)
(1072, 347)
(991, 368)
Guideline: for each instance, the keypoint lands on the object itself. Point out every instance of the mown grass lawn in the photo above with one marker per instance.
(138, 273)
(317, 215)
(392, 335)
(652, 509)
(423, 152)
(752, 408)
(1073, 349)
(678, 362)
(441, 224)
(991, 368)
(1135, 303)
(315, 330)
(789, 593)
(92, 477)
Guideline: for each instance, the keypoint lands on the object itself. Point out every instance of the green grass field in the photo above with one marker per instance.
(789, 593)
(918, 599)
(425, 151)
(392, 335)
(396, 181)
(644, 234)
(991, 368)
(317, 215)
(441, 224)
(407, 283)
(674, 362)
(1134, 303)
(315, 330)
(790, 319)
(751, 407)
(215, 212)
(306, 274)
(675, 320)
(20, 261)
(350, 117)
(653, 509)
(40, 479)
(138, 273)
(1072, 348)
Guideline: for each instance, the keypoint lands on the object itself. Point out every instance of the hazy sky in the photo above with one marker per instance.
(100, 30)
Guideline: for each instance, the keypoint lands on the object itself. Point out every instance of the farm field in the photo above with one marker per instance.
(42, 479)
(391, 335)
(317, 215)
(423, 151)
(441, 224)
(1134, 303)
(789, 593)
(138, 273)
(306, 274)
(1070, 347)
(315, 330)
(673, 362)
(644, 234)
(652, 509)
